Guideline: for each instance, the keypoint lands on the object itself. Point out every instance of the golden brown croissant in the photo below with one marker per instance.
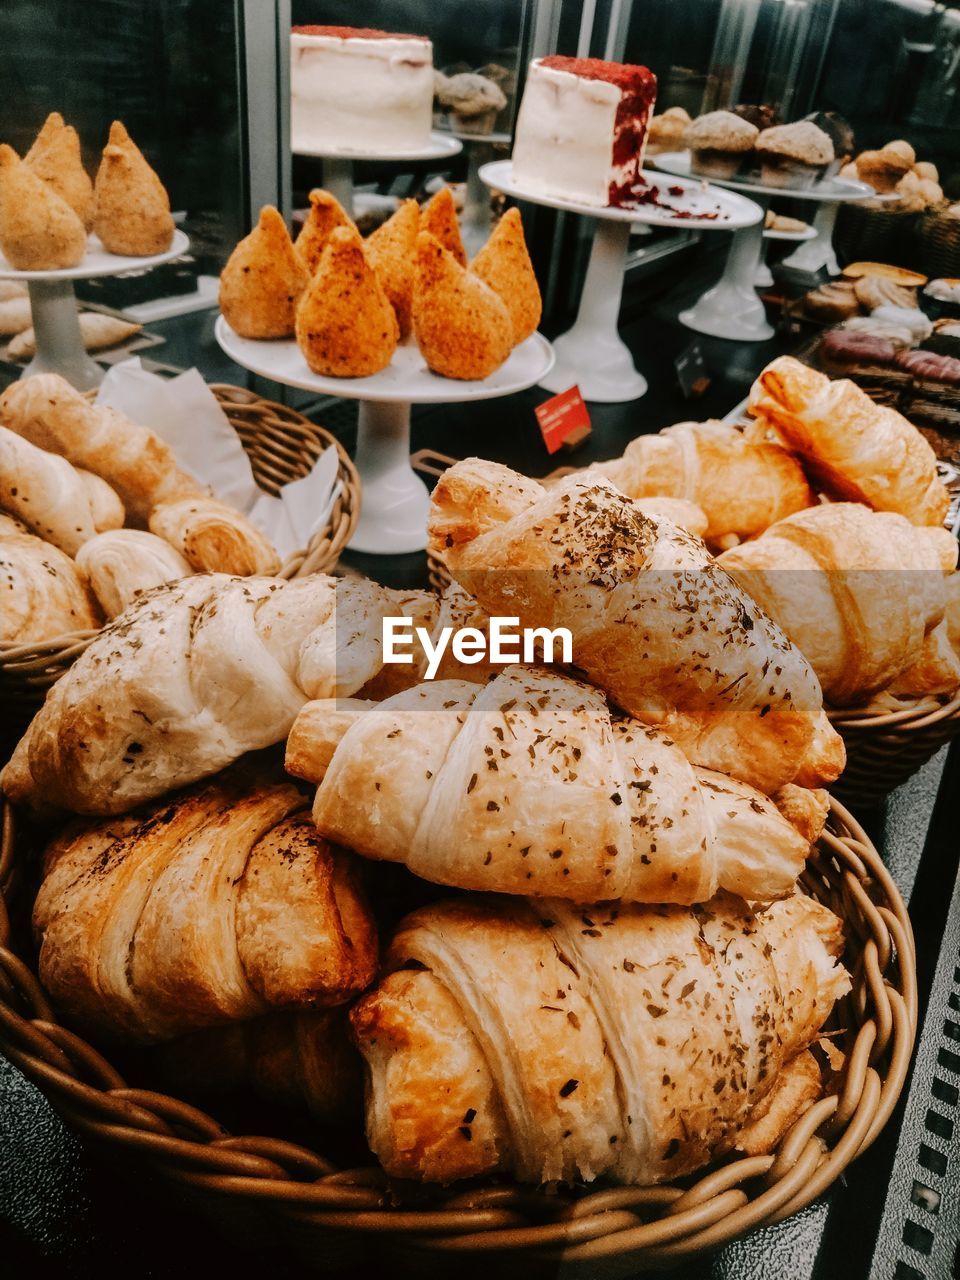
(742, 482)
(856, 590)
(857, 449)
(42, 593)
(185, 681)
(655, 622)
(528, 785)
(60, 503)
(554, 1042)
(48, 412)
(213, 537)
(216, 905)
(123, 562)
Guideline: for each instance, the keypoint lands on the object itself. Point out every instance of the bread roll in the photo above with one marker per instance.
(41, 593)
(213, 537)
(124, 562)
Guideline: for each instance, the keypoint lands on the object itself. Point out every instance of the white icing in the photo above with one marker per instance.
(371, 95)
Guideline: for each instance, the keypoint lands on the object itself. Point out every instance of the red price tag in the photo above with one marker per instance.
(563, 419)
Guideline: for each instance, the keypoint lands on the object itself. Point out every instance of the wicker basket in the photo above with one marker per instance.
(309, 1205)
(282, 446)
(887, 742)
(875, 235)
(937, 244)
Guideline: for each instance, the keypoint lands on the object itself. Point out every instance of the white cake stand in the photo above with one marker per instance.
(53, 307)
(764, 276)
(592, 354)
(338, 162)
(393, 517)
(475, 220)
(731, 309)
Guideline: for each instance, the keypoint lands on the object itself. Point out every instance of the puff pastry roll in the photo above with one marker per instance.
(58, 502)
(742, 482)
(528, 785)
(655, 622)
(213, 537)
(187, 679)
(552, 1042)
(123, 562)
(856, 448)
(216, 905)
(42, 593)
(858, 591)
(47, 411)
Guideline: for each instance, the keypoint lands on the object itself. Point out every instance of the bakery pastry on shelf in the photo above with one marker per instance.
(438, 218)
(858, 450)
(462, 327)
(667, 130)
(858, 591)
(131, 209)
(214, 538)
(43, 593)
(530, 784)
(55, 157)
(325, 215)
(793, 155)
(835, 300)
(38, 229)
(655, 622)
(504, 264)
(186, 680)
(391, 250)
(742, 481)
(262, 281)
(549, 1041)
(46, 410)
(121, 563)
(214, 906)
(97, 331)
(720, 143)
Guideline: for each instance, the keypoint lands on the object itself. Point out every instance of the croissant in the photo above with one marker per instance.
(213, 537)
(528, 785)
(43, 594)
(856, 590)
(214, 906)
(123, 562)
(48, 412)
(553, 1042)
(742, 481)
(858, 450)
(186, 680)
(60, 503)
(655, 622)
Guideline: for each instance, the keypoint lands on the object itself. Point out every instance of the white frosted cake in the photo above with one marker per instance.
(355, 89)
(581, 129)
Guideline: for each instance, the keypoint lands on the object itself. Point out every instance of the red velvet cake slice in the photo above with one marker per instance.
(582, 127)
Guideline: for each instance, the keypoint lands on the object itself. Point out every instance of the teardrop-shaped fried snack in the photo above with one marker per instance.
(326, 214)
(504, 264)
(262, 282)
(55, 157)
(439, 219)
(38, 229)
(463, 329)
(131, 207)
(346, 327)
(391, 250)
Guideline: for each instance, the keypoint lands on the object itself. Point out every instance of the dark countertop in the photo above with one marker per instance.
(67, 1211)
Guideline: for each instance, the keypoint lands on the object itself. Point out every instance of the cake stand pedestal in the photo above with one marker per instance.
(338, 163)
(592, 354)
(394, 500)
(764, 276)
(53, 308)
(731, 309)
(475, 220)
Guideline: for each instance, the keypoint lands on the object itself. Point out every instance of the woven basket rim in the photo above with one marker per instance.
(239, 403)
(631, 1225)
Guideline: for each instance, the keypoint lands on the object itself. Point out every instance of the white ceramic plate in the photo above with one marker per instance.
(441, 146)
(833, 189)
(97, 262)
(406, 379)
(694, 197)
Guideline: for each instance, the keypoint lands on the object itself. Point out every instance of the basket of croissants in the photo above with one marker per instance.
(94, 509)
(828, 510)
(529, 963)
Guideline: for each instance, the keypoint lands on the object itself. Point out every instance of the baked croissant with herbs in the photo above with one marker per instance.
(529, 785)
(548, 1041)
